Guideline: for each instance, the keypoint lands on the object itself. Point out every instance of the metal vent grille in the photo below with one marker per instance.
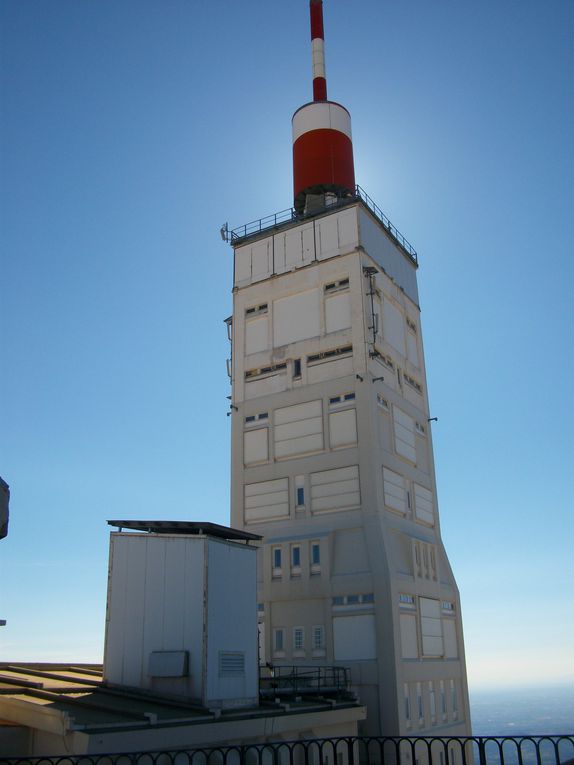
(231, 664)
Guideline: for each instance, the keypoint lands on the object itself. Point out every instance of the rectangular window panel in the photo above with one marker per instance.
(343, 428)
(338, 312)
(296, 557)
(407, 702)
(431, 630)
(404, 427)
(318, 637)
(355, 637)
(278, 640)
(335, 489)
(276, 559)
(432, 702)
(296, 317)
(298, 429)
(315, 554)
(256, 335)
(423, 504)
(267, 500)
(412, 349)
(395, 490)
(409, 645)
(450, 641)
(393, 326)
(298, 639)
(420, 702)
(255, 446)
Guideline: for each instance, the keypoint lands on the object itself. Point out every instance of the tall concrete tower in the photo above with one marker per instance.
(332, 459)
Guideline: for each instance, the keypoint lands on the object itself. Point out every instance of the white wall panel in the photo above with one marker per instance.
(431, 630)
(265, 385)
(296, 317)
(450, 641)
(298, 429)
(256, 335)
(329, 370)
(232, 600)
(394, 487)
(335, 489)
(267, 500)
(349, 552)
(338, 312)
(405, 439)
(242, 265)
(343, 428)
(255, 446)
(327, 236)
(387, 254)
(409, 644)
(412, 349)
(354, 637)
(423, 504)
(393, 326)
(261, 260)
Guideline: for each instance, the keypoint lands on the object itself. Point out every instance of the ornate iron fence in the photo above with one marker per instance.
(421, 750)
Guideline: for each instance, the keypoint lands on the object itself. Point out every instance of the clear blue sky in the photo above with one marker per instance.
(131, 130)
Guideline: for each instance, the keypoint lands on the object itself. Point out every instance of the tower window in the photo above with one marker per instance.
(256, 310)
(338, 286)
(298, 639)
(296, 368)
(420, 703)
(300, 497)
(315, 556)
(278, 639)
(318, 638)
(299, 492)
(262, 371)
(276, 555)
(316, 358)
(295, 559)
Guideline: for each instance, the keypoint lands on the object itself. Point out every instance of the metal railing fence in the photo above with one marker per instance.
(279, 219)
(280, 680)
(411, 750)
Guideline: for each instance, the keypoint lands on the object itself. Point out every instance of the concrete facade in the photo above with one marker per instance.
(332, 464)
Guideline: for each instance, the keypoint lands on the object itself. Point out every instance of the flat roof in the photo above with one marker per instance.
(77, 693)
(186, 527)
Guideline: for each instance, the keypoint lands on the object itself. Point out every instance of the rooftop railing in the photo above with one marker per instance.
(287, 680)
(290, 215)
(399, 750)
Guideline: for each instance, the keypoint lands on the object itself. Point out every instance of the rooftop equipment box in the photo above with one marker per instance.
(182, 617)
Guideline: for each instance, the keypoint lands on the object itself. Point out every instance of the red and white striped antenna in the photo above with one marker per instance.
(323, 166)
(318, 50)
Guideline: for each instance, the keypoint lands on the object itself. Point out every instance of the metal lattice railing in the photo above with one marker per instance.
(285, 217)
(406, 750)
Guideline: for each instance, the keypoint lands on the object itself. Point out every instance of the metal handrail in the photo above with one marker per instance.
(484, 750)
(284, 217)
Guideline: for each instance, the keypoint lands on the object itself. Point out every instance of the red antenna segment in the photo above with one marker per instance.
(318, 49)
